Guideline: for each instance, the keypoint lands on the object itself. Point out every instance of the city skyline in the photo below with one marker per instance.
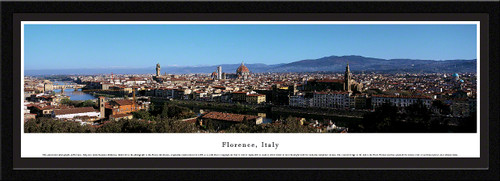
(127, 46)
(401, 94)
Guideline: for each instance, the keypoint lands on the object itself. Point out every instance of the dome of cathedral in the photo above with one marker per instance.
(242, 69)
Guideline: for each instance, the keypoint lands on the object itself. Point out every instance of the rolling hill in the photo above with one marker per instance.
(325, 64)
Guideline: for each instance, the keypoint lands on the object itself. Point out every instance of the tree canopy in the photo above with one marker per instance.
(415, 118)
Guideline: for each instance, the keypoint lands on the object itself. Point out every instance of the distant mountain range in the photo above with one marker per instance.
(325, 64)
(367, 64)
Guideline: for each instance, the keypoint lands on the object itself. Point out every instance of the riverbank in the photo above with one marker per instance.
(95, 94)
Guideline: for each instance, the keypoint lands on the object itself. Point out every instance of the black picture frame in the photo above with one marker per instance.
(15, 167)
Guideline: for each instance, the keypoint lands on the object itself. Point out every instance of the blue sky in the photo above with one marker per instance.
(128, 46)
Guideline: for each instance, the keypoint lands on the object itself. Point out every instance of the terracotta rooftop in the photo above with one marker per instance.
(219, 87)
(87, 118)
(43, 107)
(123, 102)
(74, 110)
(135, 78)
(107, 105)
(255, 95)
(457, 99)
(228, 116)
(119, 115)
(394, 96)
(239, 92)
(242, 68)
(332, 92)
(328, 80)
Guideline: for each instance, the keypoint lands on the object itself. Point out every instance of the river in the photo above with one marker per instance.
(74, 95)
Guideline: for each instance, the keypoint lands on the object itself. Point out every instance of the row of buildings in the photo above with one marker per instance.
(459, 106)
(242, 72)
(339, 99)
(344, 91)
(106, 109)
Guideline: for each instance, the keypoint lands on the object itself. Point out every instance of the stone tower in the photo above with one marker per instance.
(49, 87)
(101, 107)
(158, 69)
(347, 79)
(219, 72)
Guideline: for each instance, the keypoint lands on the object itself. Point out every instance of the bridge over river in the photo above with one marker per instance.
(68, 86)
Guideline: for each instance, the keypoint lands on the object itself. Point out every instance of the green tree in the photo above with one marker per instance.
(49, 125)
(87, 103)
(162, 126)
(418, 113)
(32, 126)
(136, 126)
(441, 107)
(382, 119)
(170, 125)
(239, 128)
(182, 127)
(66, 101)
(165, 110)
(142, 114)
(151, 108)
(211, 125)
(174, 111)
(468, 124)
(110, 127)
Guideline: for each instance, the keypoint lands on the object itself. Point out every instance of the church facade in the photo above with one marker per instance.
(347, 84)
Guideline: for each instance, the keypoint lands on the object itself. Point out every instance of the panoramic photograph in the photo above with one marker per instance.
(250, 78)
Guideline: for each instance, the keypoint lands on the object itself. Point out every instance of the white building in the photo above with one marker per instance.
(71, 113)
(215, 96)
(332, 99)
(322, 99)
(300, 100)
(135, 81)
(27, 114)
(25, 107)
(197, 95)
(164, 92)
(399, 101)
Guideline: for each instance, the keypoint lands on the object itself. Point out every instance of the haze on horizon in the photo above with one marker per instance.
(140, 46)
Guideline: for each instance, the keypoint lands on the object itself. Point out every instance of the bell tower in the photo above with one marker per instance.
(219, 73)
(158, 69)
(101, 107)
(347, 79)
